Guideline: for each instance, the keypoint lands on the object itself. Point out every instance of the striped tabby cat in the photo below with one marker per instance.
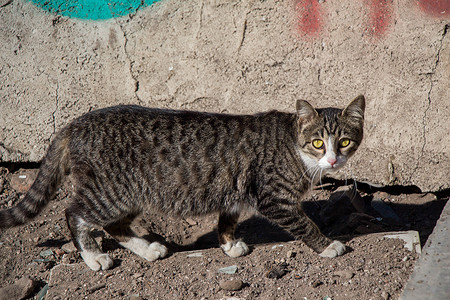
(125, 158)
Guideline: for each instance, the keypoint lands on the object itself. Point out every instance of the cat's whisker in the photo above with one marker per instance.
(316, 172)
(305, 173)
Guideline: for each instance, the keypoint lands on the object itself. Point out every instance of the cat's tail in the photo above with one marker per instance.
(53, 168)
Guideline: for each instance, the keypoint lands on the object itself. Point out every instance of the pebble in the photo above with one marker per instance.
(96, 287)
(22, 180)
(231, 284)
(385, 211)
(59, 252)
(316, 283)
(46, 253)
(191, 222)
(197, 254)
(228, 270)
(344, 274)
(22, 288)
(68, 247)
(277, 271)
(42, 293)
(277, 246)
(68, 258)
(291, 254)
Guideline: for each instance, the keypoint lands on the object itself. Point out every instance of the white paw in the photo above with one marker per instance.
(154, 251)
(235, 248)
(336, 248)
(141, 247)
(97, 261)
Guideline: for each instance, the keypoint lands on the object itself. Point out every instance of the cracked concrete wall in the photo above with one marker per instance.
(240, 57)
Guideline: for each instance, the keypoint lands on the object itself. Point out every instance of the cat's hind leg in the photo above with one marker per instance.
(85, 243)
(228, 243)
(126, 237)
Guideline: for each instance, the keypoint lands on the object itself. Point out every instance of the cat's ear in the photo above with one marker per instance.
(356, 108)
(305, 110)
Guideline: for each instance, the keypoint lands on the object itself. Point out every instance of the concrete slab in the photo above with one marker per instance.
(411, 239)
(431, 276)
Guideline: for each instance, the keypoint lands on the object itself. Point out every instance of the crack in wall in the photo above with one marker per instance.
(130, 61)
(424, 118)
(6, 4)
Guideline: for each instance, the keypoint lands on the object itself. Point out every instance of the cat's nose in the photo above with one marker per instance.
(331, 161)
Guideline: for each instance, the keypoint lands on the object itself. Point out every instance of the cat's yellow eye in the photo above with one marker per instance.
(318, 144)
(344, 142)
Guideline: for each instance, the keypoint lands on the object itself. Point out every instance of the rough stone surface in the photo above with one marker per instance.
(21, 289)
(431, 275)
(231, 284)
(238, 57)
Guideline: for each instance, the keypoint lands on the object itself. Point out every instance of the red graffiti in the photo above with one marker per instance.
(437, 8)
(380, 16)
(309, 16)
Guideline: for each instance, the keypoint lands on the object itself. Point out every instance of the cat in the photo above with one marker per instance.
(124, 158)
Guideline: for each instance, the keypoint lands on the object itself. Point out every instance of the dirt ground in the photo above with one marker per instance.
(374, 267)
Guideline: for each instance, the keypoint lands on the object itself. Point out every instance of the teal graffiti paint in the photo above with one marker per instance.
(92, 9)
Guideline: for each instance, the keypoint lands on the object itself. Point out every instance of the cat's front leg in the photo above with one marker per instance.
(293, 219)
(228, 243)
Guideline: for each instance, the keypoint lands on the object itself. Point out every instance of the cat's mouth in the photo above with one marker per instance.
(331, 168)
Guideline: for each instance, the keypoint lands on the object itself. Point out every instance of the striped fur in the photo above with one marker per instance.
(125, 158)
(52, 171)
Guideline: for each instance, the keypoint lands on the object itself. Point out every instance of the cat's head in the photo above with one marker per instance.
(329, 136)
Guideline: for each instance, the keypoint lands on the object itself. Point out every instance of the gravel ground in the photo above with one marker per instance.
(38, 257)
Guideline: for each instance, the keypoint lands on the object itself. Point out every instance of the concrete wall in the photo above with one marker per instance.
(239, 57)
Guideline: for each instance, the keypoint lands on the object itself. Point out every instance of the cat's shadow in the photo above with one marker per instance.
(254, 230)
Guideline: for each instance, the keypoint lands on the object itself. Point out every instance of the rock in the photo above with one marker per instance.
(42, 293)
(277, 246)
(385, 211)
(231, 284)
(191, 222)
(385, 295)
(347, 275)
(196, 254)
(46, 253)
(278, 271)
(228, 270)
(96, 287)
(316, 283)
(59, 252)
(22, 180)
(69, 258)
(338, 205)
(22, 288)
(291, 254)
(68, 247)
